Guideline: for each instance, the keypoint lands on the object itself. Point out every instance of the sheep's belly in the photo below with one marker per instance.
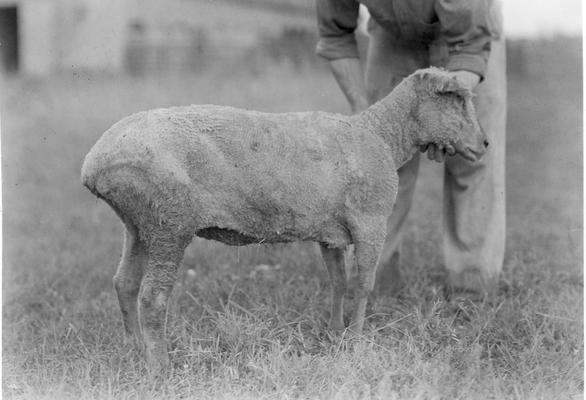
(235, 238)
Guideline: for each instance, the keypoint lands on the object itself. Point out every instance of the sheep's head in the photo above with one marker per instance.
(446, 116)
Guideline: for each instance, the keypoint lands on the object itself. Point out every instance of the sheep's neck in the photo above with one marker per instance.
(392, 119)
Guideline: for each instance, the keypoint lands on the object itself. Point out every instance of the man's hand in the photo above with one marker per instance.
(468, 79)
(438, 153)
(348, 74)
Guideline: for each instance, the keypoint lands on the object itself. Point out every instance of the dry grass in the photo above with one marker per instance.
(251, 322)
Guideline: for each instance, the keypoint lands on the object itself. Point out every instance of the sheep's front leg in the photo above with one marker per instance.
(159, 278)
(127, 281)
(367, 253)
(334, 260)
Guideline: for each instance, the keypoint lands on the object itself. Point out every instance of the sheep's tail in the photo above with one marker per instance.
(89, 178)
(128, 191)
(103, 175)
(98, 180)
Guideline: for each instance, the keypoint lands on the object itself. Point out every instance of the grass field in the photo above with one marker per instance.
(251, 322)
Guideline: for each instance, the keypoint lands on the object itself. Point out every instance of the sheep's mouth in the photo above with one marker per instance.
(471, 155)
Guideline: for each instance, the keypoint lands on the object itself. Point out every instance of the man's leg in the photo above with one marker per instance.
(387, 63)
(388, 278)
(474, 193)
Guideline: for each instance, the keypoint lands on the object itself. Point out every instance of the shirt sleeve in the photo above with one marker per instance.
(465, 25)
(337, 21)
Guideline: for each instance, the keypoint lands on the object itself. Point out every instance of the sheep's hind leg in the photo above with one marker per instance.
(334, 260)
(127, 281)
(164, 257)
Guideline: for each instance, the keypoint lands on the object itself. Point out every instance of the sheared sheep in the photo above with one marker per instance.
(243, 177)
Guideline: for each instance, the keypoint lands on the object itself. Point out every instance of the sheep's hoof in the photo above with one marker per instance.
(353, 336)
(158, 372)
(157, 363)
(133, 341)
(355, 329)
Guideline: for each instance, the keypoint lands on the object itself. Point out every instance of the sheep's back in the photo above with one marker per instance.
(281, 169)
(239, 167)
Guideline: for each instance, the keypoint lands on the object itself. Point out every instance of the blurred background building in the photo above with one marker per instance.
(39, 37)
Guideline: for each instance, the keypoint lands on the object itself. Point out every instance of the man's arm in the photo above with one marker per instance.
(337, 21)
(466, 27)
(348, 74)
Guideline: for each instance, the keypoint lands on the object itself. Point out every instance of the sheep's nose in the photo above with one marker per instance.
(486, 143)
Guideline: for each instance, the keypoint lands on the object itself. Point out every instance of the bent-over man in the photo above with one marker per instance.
(463, 36)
